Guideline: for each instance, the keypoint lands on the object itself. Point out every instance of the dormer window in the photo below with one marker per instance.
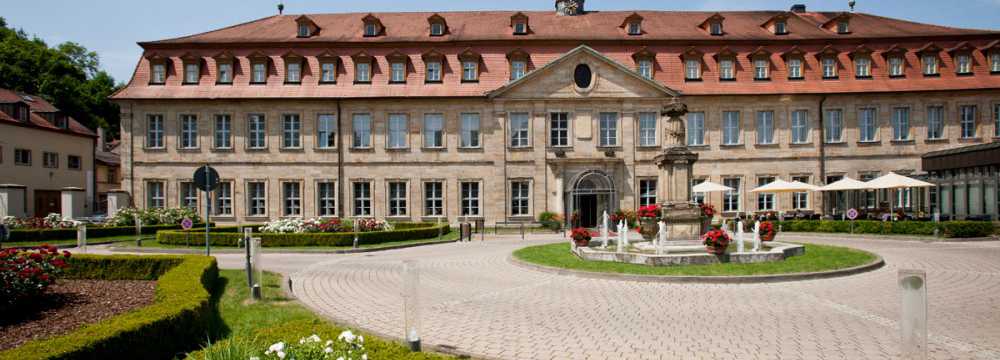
(780, 28)
(306, 27)
(645, 68)
(519, 22)
(159, 74)
(470, 65)
(293, 72)
(518, 64)
(258, 68)
(713, 25)
(327, 67)
(433, 71)
(635, 28)
(438, 26)
(829, 64)
(863, 67)
(930, 62)
(633, 24)
(362, 68)
(225, 75)
(795, 69)
(761, 64)
(963, 64)
(371, 29)
(716, 29)
(843, 27)
(896, 65)
(727, 64)
(192, 72)
(645, 62)
(373, 26)
(692, 64)
(839, 24)
(303, 30)
(397, 67)
(437, 29)
(995, 62)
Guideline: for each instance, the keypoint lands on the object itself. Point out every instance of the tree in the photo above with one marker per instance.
(68, 76)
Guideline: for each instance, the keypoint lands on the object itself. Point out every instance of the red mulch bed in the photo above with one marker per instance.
(70, 304)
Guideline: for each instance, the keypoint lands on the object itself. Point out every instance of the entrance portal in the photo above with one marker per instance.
(592, 194)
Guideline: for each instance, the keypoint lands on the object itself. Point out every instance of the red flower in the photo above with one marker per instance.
(66, 254)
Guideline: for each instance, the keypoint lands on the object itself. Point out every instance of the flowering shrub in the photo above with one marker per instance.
(300, 226)
(628, 216)
(581, 236)
(766, 231)
(369, 224)
(716, 241)
(25, 274)
(166, 216)
(51, 221)
(649, 211)
(289, 226)
(707, 210)
(347, 346)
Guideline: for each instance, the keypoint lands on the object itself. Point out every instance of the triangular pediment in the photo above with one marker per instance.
(610, 79)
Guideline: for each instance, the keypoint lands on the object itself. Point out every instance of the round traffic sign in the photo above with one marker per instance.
(852, 213)
(186, 224)
(206, 178)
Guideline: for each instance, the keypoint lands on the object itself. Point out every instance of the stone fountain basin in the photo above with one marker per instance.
(689, 254)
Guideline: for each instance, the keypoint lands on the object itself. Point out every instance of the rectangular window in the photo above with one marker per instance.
(433, 198)
(73, 162)
(50, 160)
(765, 127)
(715, 28)
(520, 28)
(843, 27)
(634, 28)
(731, 128)
(155, 195)
(896, 66)
(433, 130)
(968, 117)
(692, 69)
(328, 72)
(326, 198)
(470, 130)
(647, 128)
(159, 74)
(765, 201)
(397, 199)
(829, 68)
(794, 68)
(189, 195)
(470, 198)
(470, 70)
(362, 72)
(869, 196)
(154, 131)
(731, 199)
(303, 30)
(371, 29)
(225, 73)
(727, 70)
(223, 132)
(935, 122)
(362, 198)
(647, 192)
(361, 125)
(930, 64)
(22, 157)
(834, 126)
(224, 199)
(995, 61)
(434, 71)
(256, 131)
(901, 124)
(862, 67)
(293, 72)
(259, 73)
(291, 134)
(760, 69)
(291, 199)
(191, 73)
(780, 28)
(256, 199)
(398, 131)
(398, 72)
(517, 69)
(326, 131)
(963, 64)
(520, 193)
(800, 127)
(609, 129)
(800, 200)
(189, 131)
(646, 68)
(559, 129)
(696, 128)
(868, 124)
(437, 29)
(519, 130)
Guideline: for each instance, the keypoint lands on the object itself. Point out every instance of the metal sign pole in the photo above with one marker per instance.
(208, 211)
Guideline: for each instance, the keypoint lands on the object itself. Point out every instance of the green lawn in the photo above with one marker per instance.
(249, 327)
(816, 258)
(198, 244)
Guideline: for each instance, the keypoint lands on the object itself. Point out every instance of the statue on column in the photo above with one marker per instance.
(676, 163)
(675, 134)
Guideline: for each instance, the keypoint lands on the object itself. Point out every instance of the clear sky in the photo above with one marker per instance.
(112, 27)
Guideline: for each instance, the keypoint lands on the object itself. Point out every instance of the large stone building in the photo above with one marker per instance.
(504, 114)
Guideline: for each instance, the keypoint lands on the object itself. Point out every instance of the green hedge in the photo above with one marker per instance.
(955, 229)
(227, 237)
(180, 318)
(39, 235)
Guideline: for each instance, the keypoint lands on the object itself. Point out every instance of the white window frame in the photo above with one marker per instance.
(156, 196)
(692, 69)
(862, 67)
(434, 201)
(715, 28)
(901, 123)
(520, 130)
(258, 72)
(397, 197)
(559, 129)
(398, 131)
(223, 199)
(634, 28)
(727, 69)
(963, 64)
(437, 29)
(608, 129)
(833, 123)
(645, 68)
(397, 72)
(328, 72)
(896, 66)
(326, 131)
(256, 131)
(371, 29)
(868, 124)
(520, 28)
(470, 198)
(192, 73)
(647, 192)
(935, 122)
(223, 136)
(154, 131)
(433, 130)
(470, 129)
(291, 201)
(363, 72)
(159, 74)
(731, 128)
(291, 131)
(189, 195)
(293, 72)
(433, 71)
(765, 127)
(967, 120)
(361, 204)
(795, 68)
(696, 128)
(470, 70)
(995, 61)
(648, 124)
(930, 63)
(761, 69)
(188, 131)
(225, 75)
(303, 30)
(732, 200)
(326, 198)
(518, 68)
(520, 198)
(361, 131)
(256, 201)
(829, 65)
(800, 200)
(780, 28)
(765, 201)
(800, 127)
(50, 160)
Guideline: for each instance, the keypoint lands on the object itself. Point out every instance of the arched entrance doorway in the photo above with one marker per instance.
(592, 193)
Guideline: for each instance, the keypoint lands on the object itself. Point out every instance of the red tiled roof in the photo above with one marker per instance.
(39, 105)
(35, 102)
(547, 25)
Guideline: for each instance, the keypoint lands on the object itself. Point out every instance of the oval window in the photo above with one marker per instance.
(582, 76)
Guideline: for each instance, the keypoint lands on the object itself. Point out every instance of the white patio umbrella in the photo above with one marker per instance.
(782, 186)
(708, 186)
(893, 181)
(845, 184)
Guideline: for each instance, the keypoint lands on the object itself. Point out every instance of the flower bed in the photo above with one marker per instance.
(178, 320)
(25, 274)
(96, 231)
(231, 237)
(951, 229)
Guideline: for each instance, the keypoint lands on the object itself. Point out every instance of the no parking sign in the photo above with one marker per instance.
(852, 213)
(187, 224)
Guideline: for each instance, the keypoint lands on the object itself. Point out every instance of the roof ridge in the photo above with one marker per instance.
(209, 31)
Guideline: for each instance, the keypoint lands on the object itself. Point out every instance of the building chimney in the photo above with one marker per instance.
(569, 7)
(799, 8)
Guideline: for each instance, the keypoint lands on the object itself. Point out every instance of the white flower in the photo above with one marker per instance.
(254, 358)
(364, 356)
(328, 350)
(314, 338)
(340, 358)
(277, 347)
(329, 342)
(281, 354)
(361, 339)
(346, 336)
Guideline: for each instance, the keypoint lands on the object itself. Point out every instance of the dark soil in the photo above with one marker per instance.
(70, 304)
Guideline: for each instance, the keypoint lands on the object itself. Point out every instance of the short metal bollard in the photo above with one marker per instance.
(481, 229)
(913, 322)
(81, 238)
(522, 231)
(411, 310)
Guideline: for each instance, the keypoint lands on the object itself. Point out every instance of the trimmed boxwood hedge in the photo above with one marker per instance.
(180, 318)
(952, 229)
(19, 235)
(229, 236)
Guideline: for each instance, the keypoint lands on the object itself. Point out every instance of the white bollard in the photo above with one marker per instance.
(604, 230)
(661, 238)
(81, 238)
(739, 236)
(620, 240)
(756, 236)
(411, 310)
(913, 321)
(625, 235)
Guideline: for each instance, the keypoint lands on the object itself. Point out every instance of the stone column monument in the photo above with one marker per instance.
(682, 216)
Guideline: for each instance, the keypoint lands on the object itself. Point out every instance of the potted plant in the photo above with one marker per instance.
(581, 236)
(648, 215)
(766, 231)
(716, 241)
